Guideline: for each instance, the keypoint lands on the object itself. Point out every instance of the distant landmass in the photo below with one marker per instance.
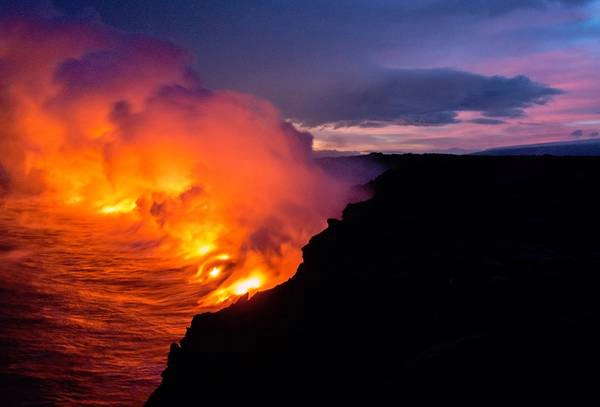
(357, 163)
(561, 148)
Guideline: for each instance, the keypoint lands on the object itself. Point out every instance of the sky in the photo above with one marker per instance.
(382, 75)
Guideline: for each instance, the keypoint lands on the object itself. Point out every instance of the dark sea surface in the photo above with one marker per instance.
(86, 312)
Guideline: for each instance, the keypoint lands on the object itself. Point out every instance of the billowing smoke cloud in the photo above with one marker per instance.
(112, 124)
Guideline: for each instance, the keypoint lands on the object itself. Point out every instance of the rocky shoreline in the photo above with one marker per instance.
(461, 276)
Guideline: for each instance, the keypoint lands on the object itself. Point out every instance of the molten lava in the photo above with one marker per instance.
(107, 124)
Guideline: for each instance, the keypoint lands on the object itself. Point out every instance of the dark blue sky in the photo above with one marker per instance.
(425, 75)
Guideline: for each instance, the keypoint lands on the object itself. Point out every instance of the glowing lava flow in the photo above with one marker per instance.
(110, 124)
(121, 207)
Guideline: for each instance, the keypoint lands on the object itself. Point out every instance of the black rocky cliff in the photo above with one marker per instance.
(461, 275)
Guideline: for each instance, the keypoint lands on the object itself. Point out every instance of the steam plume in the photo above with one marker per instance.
(101, 122)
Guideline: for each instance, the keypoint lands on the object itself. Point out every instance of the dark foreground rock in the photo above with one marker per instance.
(462, 277)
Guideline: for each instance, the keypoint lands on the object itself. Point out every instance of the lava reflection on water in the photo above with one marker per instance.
(86, 319)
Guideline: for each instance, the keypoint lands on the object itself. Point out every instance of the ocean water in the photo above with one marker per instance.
(87, 313)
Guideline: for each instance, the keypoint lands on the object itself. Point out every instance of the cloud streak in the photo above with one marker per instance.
(420, 97)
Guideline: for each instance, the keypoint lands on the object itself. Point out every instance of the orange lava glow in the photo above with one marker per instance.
(100, 123)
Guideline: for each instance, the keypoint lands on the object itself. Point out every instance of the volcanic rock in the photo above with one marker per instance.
(461, 276)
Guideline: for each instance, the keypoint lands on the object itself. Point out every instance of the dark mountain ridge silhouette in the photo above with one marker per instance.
(461, 277)
(588, 147)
